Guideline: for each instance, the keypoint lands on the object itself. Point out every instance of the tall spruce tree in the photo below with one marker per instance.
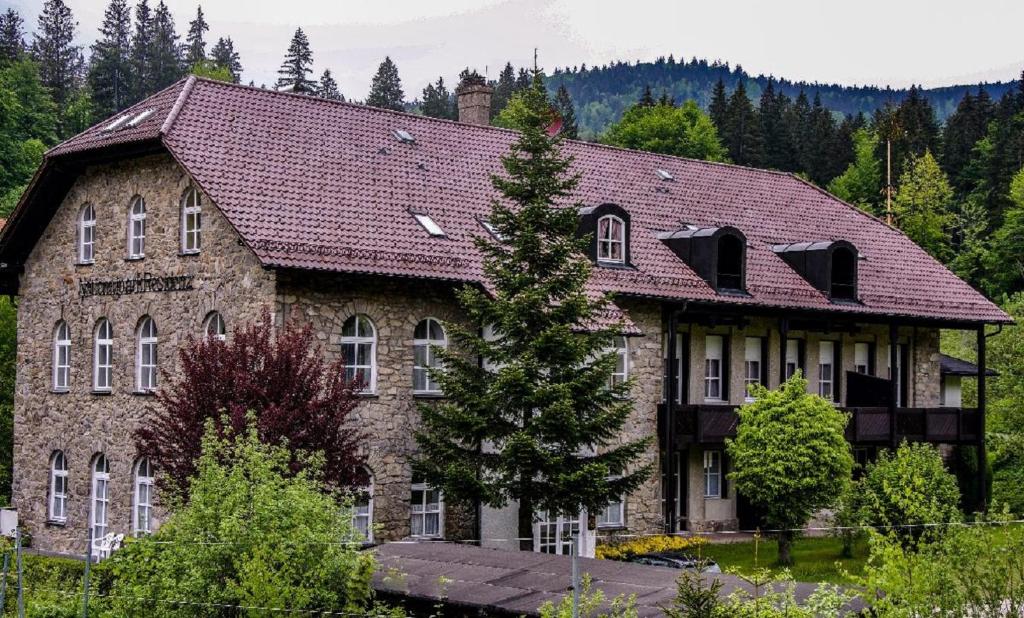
(718, 105)
(386, 89)
(646, 98)
(741, 133)
(298, 64)
(563, 102)
(59, 59)
(142, 82)
(12, 36)
(964, 127)
(437, 101)
(523, 80)
(166, 51)
(110, 67)
(224, 55)
(539, 422)
(328, 88)
(818, 148)
(772, 112)
(195, 42)
(503, 89)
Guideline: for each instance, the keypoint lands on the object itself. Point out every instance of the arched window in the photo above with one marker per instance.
(58, 487)
(362, 508)
(428, 333)
(103, 356)
(214, 326)
(731, 256)
(86, 234)
(191, 222)
(100, 502)
(359, 350)
(137, 228)
(61, 356)
(621, 372)
(142, 514)
(611, 239)
(844, 274)
(146, 356)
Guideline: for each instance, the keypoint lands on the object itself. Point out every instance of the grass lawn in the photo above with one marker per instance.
(815, 559)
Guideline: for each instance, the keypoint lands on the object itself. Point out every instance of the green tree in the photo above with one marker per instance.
(683, 131)
(195, 42)
(718, 105)
(142, 53)
(28, 121)
(328, 88)
(60, 60)
(8, 360)
(563, 102)
(741, 129)
(908, 487)
(542, 403)
(861, 182)
(110, 66)
(1006, 261)
(790, 457)
(922, 206)
(298, 64)
(437, 101)
(224, 54)
(503, 89)
(386, 89)
(211, 70)
(12, 36)
(252, 533)
(165, 54)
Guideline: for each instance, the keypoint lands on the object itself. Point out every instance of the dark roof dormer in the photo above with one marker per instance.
(717, 254)
(607, 230)
(830, 266)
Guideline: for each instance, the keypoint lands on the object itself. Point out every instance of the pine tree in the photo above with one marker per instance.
(922, 205)
(142, 53)
(646, 99)
(718, 105)
(666, 100)
(741, 133)
(523, 81)
(386, 90)
(543, 400)
(437, 101)
(110, 66)
(772, 114)
(224, 55)
(820, 138)
(503, 89)
(166, 51)
(861, 183)
(964, 127)
(328, 88)
(195, 43)
(570, 128)
(294, 72)
(60, 61)
(12, 36)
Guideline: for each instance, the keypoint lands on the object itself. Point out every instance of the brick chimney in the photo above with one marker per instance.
(474, 100)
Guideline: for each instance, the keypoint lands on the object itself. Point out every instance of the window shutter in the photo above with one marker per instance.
(684, 364)
(872, 351)
(726, 349)
(837, 372)
(904, 353)
(801, 356)
(764, 361)
(724, 487)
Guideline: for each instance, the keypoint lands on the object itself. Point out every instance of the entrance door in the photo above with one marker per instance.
(553, 535)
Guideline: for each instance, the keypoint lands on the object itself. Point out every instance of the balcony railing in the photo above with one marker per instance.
(712, 424)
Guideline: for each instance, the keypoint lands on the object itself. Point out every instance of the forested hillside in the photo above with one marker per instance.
(602, 94)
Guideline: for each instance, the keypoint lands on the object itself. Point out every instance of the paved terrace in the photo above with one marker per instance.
(496, 582)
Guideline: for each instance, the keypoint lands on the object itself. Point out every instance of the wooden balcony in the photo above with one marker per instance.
(712, 424)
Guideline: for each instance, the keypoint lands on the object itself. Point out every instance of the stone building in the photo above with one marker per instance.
(197, 209)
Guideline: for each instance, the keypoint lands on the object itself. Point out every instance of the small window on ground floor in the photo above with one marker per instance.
(712, 474)
(427, 510)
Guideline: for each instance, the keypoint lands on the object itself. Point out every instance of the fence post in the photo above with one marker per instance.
(21, 591)
(575, 576)
(85, 583)
(3, 582)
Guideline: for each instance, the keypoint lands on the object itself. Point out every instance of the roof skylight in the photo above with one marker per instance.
(117, 124)
(140, 117)
(491, 229)
(664, 174)
(403, 136)
(428, 224)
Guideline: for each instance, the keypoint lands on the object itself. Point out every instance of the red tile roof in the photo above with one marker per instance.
(317, 184)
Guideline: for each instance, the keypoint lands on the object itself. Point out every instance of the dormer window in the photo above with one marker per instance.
(717, 254)
(844, 274)
(611, 240)
(830, 266)
(731, 251)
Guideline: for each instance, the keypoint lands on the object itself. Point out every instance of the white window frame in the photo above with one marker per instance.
(58, 503)
(424, 510)
(714, 372)
(351, 369)
(363, 513)
(214, 326)
(142, 502)
(137, 228)
(752, 359)
(87, 235)
(423, 348)
(620, 347)
(713, 474)
(607, 240)
(553, 535)
(146, 374)
(61, 357)
(99, 505)
(191, 222)
(103, 341)
(826, 370)
(792, 357)
(613, 515)
(862, 357)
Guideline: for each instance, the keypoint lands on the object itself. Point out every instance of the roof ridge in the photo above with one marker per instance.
(178, 104)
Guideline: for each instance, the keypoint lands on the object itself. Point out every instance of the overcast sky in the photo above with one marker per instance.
(896, 42)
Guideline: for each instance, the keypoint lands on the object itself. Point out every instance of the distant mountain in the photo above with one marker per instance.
(601, 94)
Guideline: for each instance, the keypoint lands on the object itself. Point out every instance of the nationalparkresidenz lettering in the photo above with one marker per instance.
(139, 284)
